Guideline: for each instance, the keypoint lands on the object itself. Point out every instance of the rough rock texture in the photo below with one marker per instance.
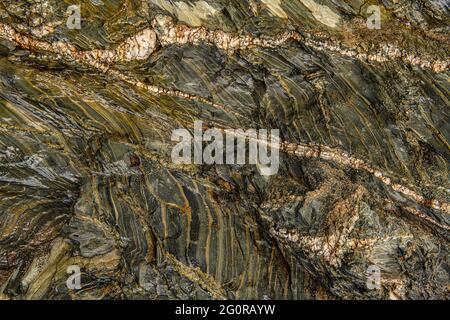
(86, 176)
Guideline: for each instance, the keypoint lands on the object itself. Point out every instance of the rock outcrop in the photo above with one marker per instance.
(87, 179)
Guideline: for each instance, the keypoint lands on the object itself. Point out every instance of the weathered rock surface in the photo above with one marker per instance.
(86, 176)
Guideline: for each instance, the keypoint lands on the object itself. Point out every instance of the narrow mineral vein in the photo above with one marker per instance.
(98, 59)
(143, 43)
(170, 33)
(343, 158)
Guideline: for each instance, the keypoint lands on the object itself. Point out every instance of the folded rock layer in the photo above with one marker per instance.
(87, 179)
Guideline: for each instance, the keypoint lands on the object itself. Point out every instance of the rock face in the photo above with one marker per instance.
(87, 180)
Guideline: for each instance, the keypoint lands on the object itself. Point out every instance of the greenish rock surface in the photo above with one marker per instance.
(86, 176)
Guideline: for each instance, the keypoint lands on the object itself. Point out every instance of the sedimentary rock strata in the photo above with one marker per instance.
(87, 179)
